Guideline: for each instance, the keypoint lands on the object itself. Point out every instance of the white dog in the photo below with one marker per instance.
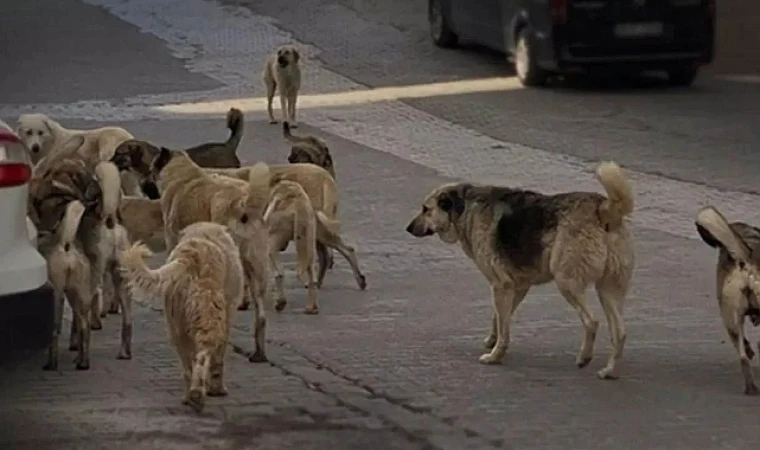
(283, 73)
(42, 135)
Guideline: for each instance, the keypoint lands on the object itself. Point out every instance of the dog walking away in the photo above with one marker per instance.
(290, 217)
(520, 238)
(308, 150)
(221, 154)
(200, 283)
(189, 195)
(737, 281)
(282, 73)
(76, 264)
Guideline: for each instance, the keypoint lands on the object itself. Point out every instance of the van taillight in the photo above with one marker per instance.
(558, 10)
(14, 174)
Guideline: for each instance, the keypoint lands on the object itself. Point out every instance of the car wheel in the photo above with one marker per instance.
(682, 76)
(442, 34)
(526, 67)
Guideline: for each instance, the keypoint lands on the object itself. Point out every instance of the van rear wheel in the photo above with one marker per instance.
(526, 67)
(440, 30)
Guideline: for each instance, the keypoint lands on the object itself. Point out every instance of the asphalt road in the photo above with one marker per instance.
(396, 366)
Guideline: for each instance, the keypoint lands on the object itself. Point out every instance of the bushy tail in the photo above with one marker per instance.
(71, 218)
(143, 281)
(332, 226)
(259, 181)
(619, 201)
(110, 184)
(289, 136)
(235, 123)
(714, 229)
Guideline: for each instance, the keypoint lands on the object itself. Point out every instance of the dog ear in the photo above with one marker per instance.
(47, 124)
(452, 200)
(296, 56)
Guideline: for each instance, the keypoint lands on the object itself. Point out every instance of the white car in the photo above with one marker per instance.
(26, 299)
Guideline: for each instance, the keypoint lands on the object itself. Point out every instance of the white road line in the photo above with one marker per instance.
(230, 44)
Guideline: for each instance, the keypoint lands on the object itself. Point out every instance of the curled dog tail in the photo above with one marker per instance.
(619, 201)
(716, 232)
(332, 226)
(71, 219)
(235, 124)
(146, 282)
(259, 182)
(110, 184)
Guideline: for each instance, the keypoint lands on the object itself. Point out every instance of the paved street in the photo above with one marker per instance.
(395, 366)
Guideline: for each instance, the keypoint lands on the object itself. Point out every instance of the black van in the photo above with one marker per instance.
(545, 37)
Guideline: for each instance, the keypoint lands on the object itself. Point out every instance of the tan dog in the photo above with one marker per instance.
(44, 136)
(282, 72)
(190, 195)
(737, 284)
(200, 283)
(308, 149)
(323, 194)
(520, 238)
(77, 244)
(290, 217)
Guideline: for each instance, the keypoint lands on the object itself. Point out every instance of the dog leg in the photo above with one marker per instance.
(312, 306)
(199, 379)
(292, 99)
(97, 306)
(52, 363)
(216, 381)
(490, 340)
(323, 263)
(349, 253)
(259, 290)
(114, 283)
(281, 300)
(284, 107)
(576, 296)
(271, 86)
(125, 300)
(611, 299)
(247, 298)
(734, 323)
(74, 335)
(83, 312)
(503, 299)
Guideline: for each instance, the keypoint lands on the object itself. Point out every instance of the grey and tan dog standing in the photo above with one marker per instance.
(519, 238)
(282, 73)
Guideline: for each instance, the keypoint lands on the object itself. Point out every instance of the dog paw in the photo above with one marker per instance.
(280, 304)
(608, 373)
(104, 314)
(362, 282)
(83, 366)
(97, 326)
(489, 342)
(752, 390)
(50, 366)
(582, 361)
(195, 400)
(73, 348)
(311, 311)
(258, 357)
(243, 306)
(113, 310)
(490, 358)
(124, 356)
(273, 122)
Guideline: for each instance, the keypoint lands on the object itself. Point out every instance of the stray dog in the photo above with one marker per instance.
(520, 238)
(221, 154)
(200, 283)
(190, 195)
(308, 149)
(73, 241)
(43, 136)
(323, 194)
(283, 73)
(144, 221)
(290, 217)
(737, 276)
